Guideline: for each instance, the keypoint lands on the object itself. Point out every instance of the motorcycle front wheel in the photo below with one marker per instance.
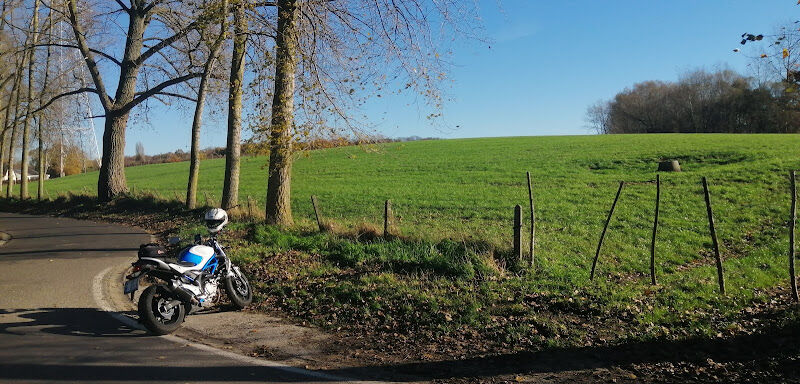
(154, 314)
(238, 289)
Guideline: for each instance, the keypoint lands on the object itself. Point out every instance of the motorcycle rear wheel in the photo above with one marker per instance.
(238, 289)
(153, 315)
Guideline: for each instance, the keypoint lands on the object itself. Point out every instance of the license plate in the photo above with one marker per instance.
(131, 285)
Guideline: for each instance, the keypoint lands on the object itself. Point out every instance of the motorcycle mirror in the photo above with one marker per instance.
(174, 240)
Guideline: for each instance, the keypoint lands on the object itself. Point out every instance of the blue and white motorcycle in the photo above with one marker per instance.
(191, 283)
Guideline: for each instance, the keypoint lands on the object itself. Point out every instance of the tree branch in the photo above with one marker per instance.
(101, 53)
(88, 56)
(65, 94)
(157, 89)
(171, 94)
(164, 43)
(123, 6)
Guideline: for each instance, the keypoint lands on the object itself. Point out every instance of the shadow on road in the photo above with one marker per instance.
(47, 236)
(86, 344)
(156, 374)
(62, 253)
(64, 321)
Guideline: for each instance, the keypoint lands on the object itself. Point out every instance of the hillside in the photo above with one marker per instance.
(469, 186)
(466, 189)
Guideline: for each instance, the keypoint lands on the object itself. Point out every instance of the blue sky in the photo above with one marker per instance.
(547, 62)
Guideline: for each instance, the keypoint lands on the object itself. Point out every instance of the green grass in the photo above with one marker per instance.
(465, 190)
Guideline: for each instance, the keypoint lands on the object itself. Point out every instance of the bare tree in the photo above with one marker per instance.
(214, 51)
(330, 56)
(598, 116)
(42, 161)
(141, 16)
(11, 124)
(230, 189)
(140, 155)
(9, 121)
(31, 51)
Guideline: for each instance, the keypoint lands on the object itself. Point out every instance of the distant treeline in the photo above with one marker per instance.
(259, 149)
(700, 101)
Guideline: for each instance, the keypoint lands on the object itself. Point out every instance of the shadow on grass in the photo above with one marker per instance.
(769, 355)
(82, 206)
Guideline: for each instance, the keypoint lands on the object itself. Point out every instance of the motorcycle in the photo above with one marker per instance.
(193, 282)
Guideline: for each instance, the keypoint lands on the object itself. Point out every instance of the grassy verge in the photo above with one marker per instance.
(453, 297)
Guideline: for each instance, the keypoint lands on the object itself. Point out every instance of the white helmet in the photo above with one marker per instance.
(216, 218)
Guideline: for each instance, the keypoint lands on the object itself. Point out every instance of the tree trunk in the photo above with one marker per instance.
(23, 181)
(2, 155)
(40, 188)
(279, 209)
(40, 130)
(6, 126)
(194, 162)
(10, 163)
(13, 127)
(230, 191)
(23, 185)
(197, 122)
(111, 182)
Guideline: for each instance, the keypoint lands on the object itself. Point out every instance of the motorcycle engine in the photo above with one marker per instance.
(207, 295)
(211, 290)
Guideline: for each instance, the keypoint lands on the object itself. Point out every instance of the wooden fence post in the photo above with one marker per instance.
(387, 213)
(720, 275)
(655, 229)
(792, 223)
(517, 232)
(250, 210)
(605, 228)
(533, 218)
(317, 214)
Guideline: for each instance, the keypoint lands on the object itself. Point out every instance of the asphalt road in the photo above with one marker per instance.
(53, 330)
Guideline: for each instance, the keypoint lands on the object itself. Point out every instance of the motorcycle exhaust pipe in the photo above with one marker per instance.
(184, 295)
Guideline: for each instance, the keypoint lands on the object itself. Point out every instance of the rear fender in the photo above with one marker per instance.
(154, 267)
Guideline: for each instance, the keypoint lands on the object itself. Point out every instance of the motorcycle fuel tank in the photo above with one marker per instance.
(200, 255)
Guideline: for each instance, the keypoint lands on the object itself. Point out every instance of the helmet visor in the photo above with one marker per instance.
(214, 223)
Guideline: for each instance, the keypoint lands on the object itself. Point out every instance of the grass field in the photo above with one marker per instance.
(466, 189)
